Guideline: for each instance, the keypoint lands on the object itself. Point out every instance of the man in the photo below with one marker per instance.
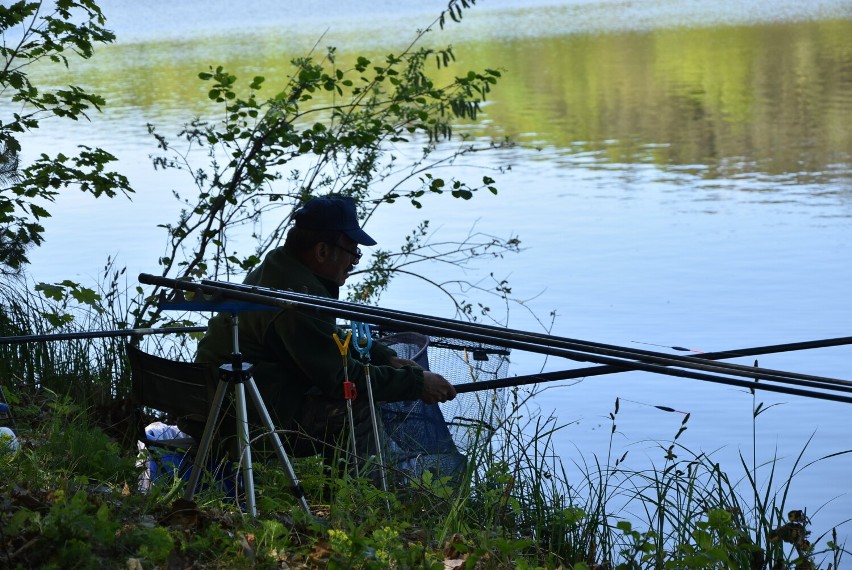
(298, 367)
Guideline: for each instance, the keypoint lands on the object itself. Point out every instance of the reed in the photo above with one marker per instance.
(515, 506)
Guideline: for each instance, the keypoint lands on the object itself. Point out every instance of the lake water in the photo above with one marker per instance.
(683, 177)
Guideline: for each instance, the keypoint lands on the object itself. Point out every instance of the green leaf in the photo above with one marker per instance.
(362, 64)
(39, 212)
(55, 292)
(86, 296)
(57, 320)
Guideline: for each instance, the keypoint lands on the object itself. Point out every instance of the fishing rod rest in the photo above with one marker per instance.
(237, 375)
(237, 371)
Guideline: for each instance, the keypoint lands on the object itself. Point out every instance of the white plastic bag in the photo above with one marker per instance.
(156, 462)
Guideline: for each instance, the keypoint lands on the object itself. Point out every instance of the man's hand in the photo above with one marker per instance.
(436, 388)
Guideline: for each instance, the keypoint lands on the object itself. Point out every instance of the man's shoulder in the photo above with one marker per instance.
(279, 270)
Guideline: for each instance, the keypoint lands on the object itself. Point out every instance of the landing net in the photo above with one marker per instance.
(440, 437)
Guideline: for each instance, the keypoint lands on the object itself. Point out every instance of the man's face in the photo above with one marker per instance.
(341, 258)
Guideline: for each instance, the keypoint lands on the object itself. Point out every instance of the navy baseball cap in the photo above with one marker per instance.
(336, 213)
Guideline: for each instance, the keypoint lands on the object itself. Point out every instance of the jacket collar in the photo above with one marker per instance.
(332, 287)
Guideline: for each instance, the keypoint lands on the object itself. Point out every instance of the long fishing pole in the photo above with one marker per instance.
(97, 334)
(575, 373)
(514, 339)
(646, 360)
(598, 370)
(522, 340)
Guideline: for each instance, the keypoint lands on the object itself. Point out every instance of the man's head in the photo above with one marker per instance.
(326, 236)
(333, 213)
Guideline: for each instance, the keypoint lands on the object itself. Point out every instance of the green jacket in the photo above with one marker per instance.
(293, 350)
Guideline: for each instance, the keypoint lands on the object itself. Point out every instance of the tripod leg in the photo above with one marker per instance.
(245, 449)
(260, 406)
(206, 439)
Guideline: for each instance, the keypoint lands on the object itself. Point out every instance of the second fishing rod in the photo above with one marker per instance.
(535, 342)
(399, 320)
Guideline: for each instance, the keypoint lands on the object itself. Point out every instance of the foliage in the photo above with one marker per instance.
(375, 130)
(514, 508)
(46, 33)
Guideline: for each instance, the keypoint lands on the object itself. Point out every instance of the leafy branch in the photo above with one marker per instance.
(336, 127)
(46, 33)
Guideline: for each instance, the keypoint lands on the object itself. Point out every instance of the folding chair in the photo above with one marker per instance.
(185, 390)
(182, 390)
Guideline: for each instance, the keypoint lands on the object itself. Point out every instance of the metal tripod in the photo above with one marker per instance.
(237, 374)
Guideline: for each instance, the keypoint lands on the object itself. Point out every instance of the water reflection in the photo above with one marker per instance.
(770, 101)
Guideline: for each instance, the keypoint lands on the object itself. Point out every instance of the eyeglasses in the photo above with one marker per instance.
(356, 255)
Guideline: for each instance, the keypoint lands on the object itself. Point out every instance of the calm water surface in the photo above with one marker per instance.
(684, 177)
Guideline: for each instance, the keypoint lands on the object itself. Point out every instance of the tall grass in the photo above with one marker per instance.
(685, 512)
(515, 505)
(93, 371)
(90, 370)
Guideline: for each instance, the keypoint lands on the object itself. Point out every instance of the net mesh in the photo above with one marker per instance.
(438, 437)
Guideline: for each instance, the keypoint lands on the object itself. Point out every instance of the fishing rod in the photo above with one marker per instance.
(573, 374)
(533, 342)
(97, 334)
(599, 370)
(595, 352)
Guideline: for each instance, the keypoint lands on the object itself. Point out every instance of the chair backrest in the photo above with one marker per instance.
(183, 390)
